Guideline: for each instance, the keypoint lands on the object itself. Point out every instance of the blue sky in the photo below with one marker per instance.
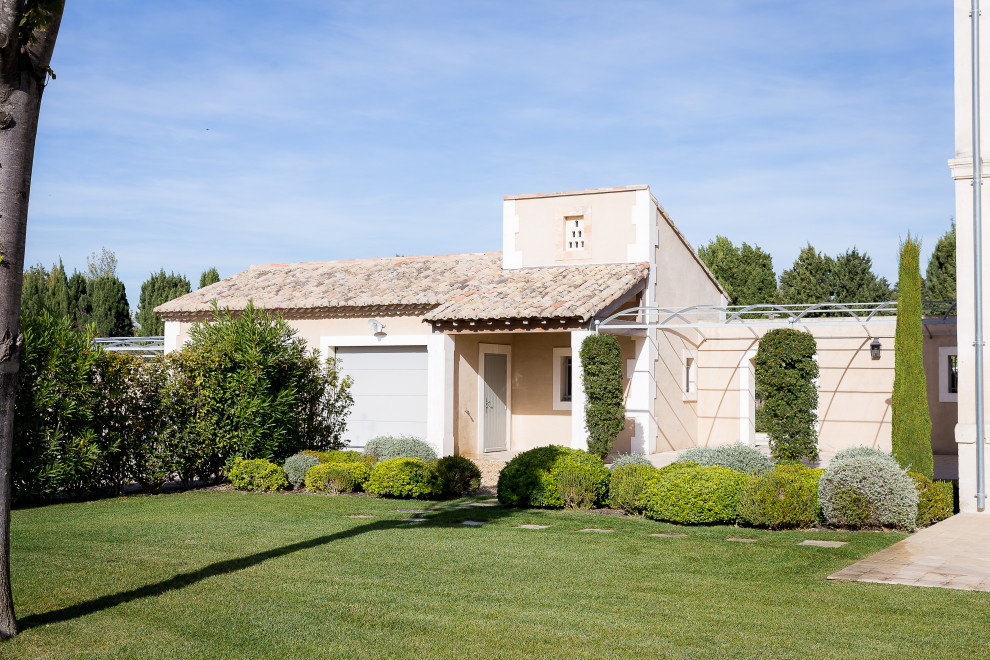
(184, 135)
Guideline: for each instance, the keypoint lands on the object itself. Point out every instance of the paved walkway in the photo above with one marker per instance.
(954, 554)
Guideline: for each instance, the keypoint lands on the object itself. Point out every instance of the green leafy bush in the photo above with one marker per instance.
(386, 447)
(741, 458)
(334, 478)
(627, 485)
(935, 499)
(868, 491)
(257, 475)
(604, 408)
(531, 478)
(296, 466)
(689, 493)
(622, 460)
(785, 382)
(404, 477)
(785, 497)
(458, 475)
(855, 452)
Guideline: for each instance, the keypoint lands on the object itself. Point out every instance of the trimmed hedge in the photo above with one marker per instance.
(296, 466)
(690, 493)
(458, 475)
(868, 491)
(257, 475)
(333, 478)
(785, 382)
(601, 377)
(532, 478)
(627, 485)
(785, 497)
(935, 499)
(404, 477)
(386, 447)
(737, 457)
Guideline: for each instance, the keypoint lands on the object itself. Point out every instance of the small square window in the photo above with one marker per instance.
(953, 366)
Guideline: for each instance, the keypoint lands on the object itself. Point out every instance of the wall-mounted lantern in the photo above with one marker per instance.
(875, 349)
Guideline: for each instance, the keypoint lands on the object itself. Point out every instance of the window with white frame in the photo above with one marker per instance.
(948, 374)
(689, 377)
(563, 367)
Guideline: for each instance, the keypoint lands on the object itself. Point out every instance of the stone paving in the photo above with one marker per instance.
(950, 554)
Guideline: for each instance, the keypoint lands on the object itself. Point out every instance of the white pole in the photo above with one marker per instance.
(978, 258)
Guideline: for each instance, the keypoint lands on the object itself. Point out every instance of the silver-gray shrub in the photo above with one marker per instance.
(856, 452)
(386, 447)
(622, 460)
(868, 491)
(741, 458)
(295, 468)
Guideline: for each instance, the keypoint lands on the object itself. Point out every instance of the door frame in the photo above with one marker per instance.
(503, 349)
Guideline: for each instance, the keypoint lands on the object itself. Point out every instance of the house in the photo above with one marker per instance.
(479, 353)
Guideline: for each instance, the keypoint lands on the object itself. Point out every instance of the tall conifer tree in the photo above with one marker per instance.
(158, 289)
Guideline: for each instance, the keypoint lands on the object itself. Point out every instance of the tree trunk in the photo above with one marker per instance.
(24, 67)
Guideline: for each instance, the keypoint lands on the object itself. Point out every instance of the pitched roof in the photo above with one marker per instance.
(446, 287)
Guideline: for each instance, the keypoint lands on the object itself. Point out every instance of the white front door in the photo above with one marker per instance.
(494, 395)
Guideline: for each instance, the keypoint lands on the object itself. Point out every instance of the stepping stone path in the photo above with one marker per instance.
(483, 504)
(740, 540)
(491, 499)
(415, 519)
(360, 516)
(532, 526)
(824, 544)
(410, 511)
(599, 531)
(472, 523)
(670, 536)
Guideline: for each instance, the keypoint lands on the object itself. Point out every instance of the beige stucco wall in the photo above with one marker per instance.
(944, 414)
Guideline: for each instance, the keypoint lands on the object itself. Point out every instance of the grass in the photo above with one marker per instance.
(236, 575)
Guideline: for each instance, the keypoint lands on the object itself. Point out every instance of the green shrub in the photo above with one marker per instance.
(622, 460)
(868, 491)
(334, 478)
(741, 458)
(458, 475)
(531, 478)
(785, 497)
(386, 447)
(604, 408)
(855, 452)
(258, 475)
(296, 466)
(627, 485)
(404, 477)
(785, 382)
(935, 499)
(686, 493)
(345, 456)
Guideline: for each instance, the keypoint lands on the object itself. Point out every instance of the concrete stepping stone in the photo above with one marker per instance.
(824, 544)
(483, 504)
(737, 539)
(472, 523)
(359, 516)
(532, 526)
(410, 511)
(670, 536)
(415, 519)
(491, 499)
(597, 530)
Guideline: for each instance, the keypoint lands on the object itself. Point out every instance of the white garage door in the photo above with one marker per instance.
(389, 391)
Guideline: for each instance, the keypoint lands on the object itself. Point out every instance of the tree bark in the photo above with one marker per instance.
(24, 67)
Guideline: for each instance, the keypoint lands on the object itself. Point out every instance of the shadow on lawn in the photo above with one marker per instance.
(440, 516)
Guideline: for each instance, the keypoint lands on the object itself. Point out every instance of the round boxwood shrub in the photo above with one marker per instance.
(741, 458)
(868, 491)
(856, 452)
(627, 485)
(532, 478)
(333, 478)
(258, 475)
(690, 493)
(622, 460)
(934, 499)
(785, 497)
(295, 468)
(386, 447)
(458, 475)
(346, 456)
(404, 477)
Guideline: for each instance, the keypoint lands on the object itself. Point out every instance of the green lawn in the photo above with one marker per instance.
(235, 575)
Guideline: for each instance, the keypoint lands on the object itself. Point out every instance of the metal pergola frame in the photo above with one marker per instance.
(137, 345)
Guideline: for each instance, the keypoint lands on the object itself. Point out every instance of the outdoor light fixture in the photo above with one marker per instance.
(875, 349)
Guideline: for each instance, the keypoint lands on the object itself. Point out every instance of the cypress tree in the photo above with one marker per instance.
(746, 273)
(940, 277)
(45, 291)
(209, 276)
(157, 289)
(77, 292)
(809, 280)
(105, 306)
(854, 281)
(911, 429)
